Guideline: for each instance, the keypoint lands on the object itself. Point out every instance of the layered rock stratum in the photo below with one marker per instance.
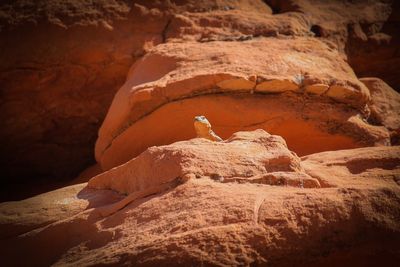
(303, 92)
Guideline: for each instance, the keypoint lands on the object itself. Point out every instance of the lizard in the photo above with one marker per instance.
(203, 129)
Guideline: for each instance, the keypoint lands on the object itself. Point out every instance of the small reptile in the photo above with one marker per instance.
(203, 129)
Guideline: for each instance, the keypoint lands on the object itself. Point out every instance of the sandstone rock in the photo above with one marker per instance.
(377, 56)
(273, 63)
(237, 84)
(367, 32)
(306, 132)
(351, 219)
(277, 86)
(317, 89)
(379, 136)
(346, 94)
(379, 166)
(244, 155)
(160, 168)
(332, 19)
(60, 66)
(18, 217)
(158, 197)
(235, 25)
(62, 62)
(385, 103)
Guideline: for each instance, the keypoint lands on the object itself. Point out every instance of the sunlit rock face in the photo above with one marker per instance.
(252, 156)
(276, 84)
(303, 93)
(249, 196)
(61, 62)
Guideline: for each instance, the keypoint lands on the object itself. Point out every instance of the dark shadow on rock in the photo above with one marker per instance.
(98, 198)
(359, 166)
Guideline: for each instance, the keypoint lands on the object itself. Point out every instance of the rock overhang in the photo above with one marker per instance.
(177, 72)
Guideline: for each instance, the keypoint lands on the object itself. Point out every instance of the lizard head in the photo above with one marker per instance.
(201, 120)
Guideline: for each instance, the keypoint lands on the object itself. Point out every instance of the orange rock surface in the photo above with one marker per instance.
(237, 74)
(384, 103)
(304, 94)
(247, 200)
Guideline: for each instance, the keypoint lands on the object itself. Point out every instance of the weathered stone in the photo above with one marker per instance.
(384, 104)
(276, 86)
(236, 84)
(317, 89)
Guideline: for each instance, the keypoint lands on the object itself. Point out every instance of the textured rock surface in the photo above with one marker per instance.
(384, 105)
(373, 51)
(256, 156)
(352, 219)
(62, 61)
(237, 73)
(322, 189)
(368, 31)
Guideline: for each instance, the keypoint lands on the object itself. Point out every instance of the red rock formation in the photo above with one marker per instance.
(385, 106)
(322, 189)
(374, 50)
(61, 62)
(226, 213)
(157, 108)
